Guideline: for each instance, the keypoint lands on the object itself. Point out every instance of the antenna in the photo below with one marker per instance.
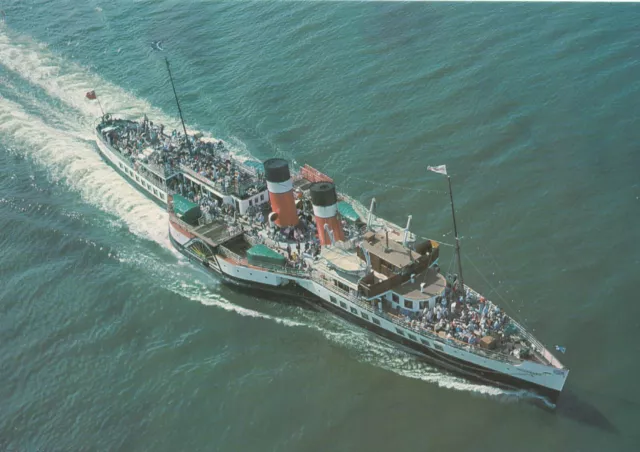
(186, 136)
(455, 231)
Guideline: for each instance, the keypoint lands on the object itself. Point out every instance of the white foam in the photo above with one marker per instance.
(68, 81)
(78, 164)
(203, 295)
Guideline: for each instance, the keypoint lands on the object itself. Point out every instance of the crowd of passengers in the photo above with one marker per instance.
(301, 240)
(465, 318)
(210, 160)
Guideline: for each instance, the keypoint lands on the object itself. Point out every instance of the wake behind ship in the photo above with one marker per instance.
(266, 227)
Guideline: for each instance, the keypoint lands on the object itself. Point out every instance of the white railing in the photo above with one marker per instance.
(535, 343)
(238, 189)
(226, 252)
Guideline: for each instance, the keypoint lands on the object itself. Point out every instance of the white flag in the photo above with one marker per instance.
(442, 169)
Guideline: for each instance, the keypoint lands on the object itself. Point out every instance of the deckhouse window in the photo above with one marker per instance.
(425, 342)
(333, 299)
(354, 311)
(408, 304)
(364, 316)
(395, 298)
(341, 285)
(343, 305)
(413, 338)
(399, 331)
(375, 320)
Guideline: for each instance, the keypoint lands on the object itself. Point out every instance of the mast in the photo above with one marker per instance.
(186, 136)
(455, 231)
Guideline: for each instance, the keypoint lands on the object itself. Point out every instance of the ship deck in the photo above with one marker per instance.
(214, 233)
(434, 284)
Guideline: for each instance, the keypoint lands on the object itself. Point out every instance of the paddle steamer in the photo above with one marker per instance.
(287, 231)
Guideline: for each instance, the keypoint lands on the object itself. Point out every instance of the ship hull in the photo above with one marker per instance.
(455, 365)
(297, 290)
(134, 178)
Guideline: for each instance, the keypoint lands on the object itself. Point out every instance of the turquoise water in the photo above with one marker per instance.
(109, 340)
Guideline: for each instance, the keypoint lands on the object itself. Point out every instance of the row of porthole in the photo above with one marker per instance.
(251, 274)
(354, 311)
(343, 305)
(145, 185)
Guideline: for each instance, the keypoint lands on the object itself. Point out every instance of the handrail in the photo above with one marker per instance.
(205, 180)
(539, 346)
(226, 252)
(233, 189)
(127, 161)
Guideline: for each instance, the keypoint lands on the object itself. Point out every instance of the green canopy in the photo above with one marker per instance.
(187, 211)
(346, 211)
(262, 254)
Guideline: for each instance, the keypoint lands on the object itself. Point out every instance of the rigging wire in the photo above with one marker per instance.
(380, 184)
(495, 263)
(493, 289)
(283, 154)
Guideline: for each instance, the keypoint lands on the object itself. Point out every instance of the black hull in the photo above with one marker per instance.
(455, 365)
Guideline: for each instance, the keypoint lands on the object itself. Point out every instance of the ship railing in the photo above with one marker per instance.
(226, 252)
(205, 180)
(535, 343)
(136, 168)
(181, 223)
(233, 188)
(362, 303)
(539, 346)
(254, 240)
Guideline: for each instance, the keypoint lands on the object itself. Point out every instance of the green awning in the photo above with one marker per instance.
(182, 205)
(262, 254)
(347, 212)
(186, 210)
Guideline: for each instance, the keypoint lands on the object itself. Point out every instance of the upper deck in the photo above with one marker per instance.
(204, 161)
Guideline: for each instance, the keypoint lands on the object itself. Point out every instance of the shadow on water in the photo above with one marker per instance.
(577, 409)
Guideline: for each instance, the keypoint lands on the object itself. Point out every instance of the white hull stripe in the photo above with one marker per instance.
(280, 187)
(325, 211)
(149, 187)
